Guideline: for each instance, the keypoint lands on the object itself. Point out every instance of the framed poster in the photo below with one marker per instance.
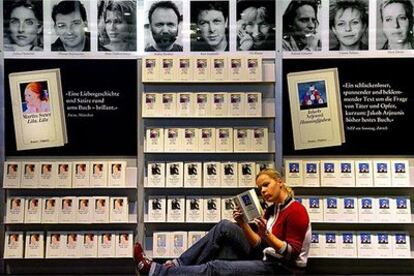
(315, 108)
(38, 114)
(375, 106)
(99, 105)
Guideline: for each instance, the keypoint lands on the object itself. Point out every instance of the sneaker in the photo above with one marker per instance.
(143, 262)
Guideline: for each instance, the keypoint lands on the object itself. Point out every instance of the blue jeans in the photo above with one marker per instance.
(223, 251)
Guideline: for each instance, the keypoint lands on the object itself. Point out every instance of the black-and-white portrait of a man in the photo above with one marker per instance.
(164, 27)
(209, 26)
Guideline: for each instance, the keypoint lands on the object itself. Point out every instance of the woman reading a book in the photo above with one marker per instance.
(278, 242)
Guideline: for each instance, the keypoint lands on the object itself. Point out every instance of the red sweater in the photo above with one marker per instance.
(291, 225)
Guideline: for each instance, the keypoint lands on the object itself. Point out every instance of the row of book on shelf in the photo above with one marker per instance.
(202, 68)
(68, 209)
(323, 244)
(173, 244)
(64, 174)
(210, 139)
(364, 244)
(64, 244)
(202, 104)
(357, 209)
(320, 209)
(348, 172)
(189, 208)
(204, 174)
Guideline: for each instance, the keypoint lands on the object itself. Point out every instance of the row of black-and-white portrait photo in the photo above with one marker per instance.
(126, 26)
(123, 26)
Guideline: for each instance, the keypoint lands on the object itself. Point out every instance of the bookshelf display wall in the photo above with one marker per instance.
(201, 152)
(167, 231)
(146, 228)
(357, 217)
(86, 211)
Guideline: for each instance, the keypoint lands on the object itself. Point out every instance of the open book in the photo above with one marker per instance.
(249, 202)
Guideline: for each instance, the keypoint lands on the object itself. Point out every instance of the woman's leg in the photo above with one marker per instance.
(225, 238)
(221, 267)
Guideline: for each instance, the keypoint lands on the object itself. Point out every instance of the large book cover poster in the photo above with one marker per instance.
(39, 118)
(315, 108)
(99, 103)
(375, 101)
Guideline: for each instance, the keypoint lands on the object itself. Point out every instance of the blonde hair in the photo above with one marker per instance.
(276, 175)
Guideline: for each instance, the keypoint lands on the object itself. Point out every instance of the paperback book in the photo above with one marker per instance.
(157, 209)
(15, 210)
(168, 104)
(212, 209)
(119, 209)
(150, 69)
(156, 174)
(124, 244)
(48, 175)
(116, 174)
(227, 207)
(175, 209)
(150, 104)
(34, 248)
(203, 103)
(38, 109)
(106, 245)
(64, 175)
(30, 175)
(33, 210)
(382, 173)
(315, 106)
(55, 244)
(193, 173)
(11, 174)
(247, 174)
(85, 209)
(80, 174)
(89, 245)
(13, 245)
(101, 209)
(194, 209)
(98, 174)
(363, 173)
(250, 204)
(207, 141)
(219, 68)
(185, 69)
(220, 104)
(311, 176)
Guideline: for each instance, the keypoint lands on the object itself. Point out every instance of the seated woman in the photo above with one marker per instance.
(117, 25)
(348, 21)
(279, 245)
(23, 26)
(397, 24)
